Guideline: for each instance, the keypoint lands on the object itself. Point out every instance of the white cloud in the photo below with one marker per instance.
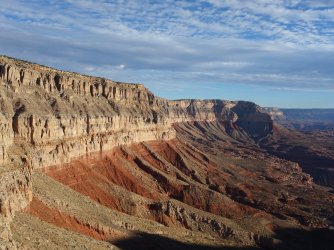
(279, 42)
(121, 66)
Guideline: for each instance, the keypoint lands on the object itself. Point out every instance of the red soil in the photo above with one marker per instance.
(93, 178)
(60, 219)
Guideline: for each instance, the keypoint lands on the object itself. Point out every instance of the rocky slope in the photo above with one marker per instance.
(114, 162)
(305, 136)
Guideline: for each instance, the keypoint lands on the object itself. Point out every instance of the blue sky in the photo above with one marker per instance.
(273, 52)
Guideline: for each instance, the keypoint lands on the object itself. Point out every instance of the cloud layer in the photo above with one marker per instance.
(277, 44)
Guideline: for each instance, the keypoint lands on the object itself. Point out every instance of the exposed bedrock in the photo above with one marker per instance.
(48, 117)
(64, 115)
(177, 185)
(15, 194)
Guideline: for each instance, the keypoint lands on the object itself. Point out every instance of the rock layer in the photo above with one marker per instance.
(65, 115)
(50, 119)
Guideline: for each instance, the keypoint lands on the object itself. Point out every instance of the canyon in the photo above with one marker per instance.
(89, 163)
(304, 119)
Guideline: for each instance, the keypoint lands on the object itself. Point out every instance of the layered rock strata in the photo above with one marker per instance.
(50, 117)
(64, 115)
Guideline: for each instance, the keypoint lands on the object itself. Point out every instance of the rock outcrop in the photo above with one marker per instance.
(65, 115)
(15, 194)
(52, 116)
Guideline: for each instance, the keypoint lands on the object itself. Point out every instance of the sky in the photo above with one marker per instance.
(273, 52)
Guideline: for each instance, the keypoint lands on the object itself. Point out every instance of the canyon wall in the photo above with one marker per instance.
(48, 117)
(64, 115)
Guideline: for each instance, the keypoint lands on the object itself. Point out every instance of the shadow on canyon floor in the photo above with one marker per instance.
(319, 239)
(145, 241)
(290, 239)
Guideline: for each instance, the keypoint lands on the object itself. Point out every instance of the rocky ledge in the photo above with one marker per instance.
(64, 115)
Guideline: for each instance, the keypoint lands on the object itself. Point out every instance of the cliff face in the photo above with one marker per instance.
(64, 115)
(48, 117)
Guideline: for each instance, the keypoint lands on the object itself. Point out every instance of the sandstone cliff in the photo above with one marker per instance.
(64, 115)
